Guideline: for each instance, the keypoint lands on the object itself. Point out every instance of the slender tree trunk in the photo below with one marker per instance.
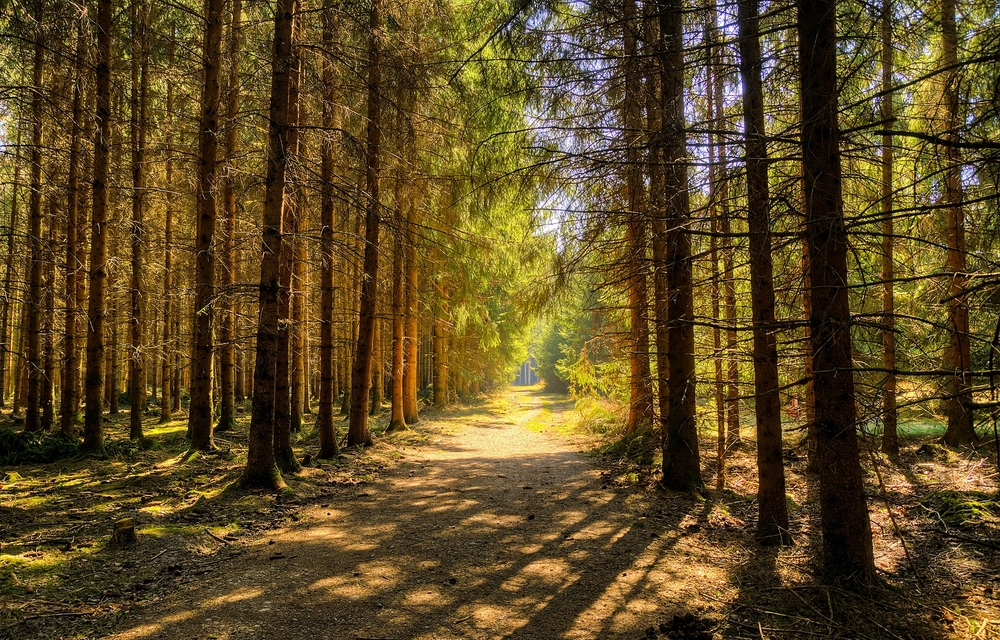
(227, 326)
(48, 320)
(640, 414)
(331, 124)
(772, 522)
(200, 414)
(69, 405)
(847, 541)
(140, 85)
(261, 469)
(396, 421)
(168, 397)
(377, 360)
(8, 275)
(358, 432)
(715, 97)
(681, 464)
(284, 455)
(890, 439)
(33, 354)
(93, 433)
(440, 371)
(961, 428)
(411, 320)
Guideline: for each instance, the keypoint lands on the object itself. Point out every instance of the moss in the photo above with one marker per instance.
(958, 508)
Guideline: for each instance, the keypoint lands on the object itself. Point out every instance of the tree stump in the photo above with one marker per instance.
(124, 533)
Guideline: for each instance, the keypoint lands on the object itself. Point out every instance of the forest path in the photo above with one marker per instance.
(496, 526)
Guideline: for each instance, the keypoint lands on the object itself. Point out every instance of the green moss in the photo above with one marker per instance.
(958, 508)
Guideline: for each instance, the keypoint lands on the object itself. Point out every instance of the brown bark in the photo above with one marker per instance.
(34, 302)
(169, 285)
(93, 433)
(440, 371)
(772, 522)
(70, 401)
(411, 320)
(358, 432)
(681, 464)
(227, 326)
(261, 470)
(961, 429)
(200, 414)
(847, 541)
(640, 413)
(9, 269)
(140, 87)
(331, 124)
(890, 438)
(396, 421)
(715, 97)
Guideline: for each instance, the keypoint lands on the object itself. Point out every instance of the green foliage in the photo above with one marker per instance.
(18, 448)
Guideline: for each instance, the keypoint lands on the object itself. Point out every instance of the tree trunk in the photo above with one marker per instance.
(140, 86)
(33, 354)
(396, 421)
(440, 372)
(8, 275)
(358, 432)
(169, 279)
(681, 463)
(261, 470)
(847, 541)
(890, 439)
(227, 326)
(411, 320)
(331, 124)
(961, 429)
(715, 112)
(69, 405)
(93, 432)
(772, 522)
(640, 413)
(200, 414)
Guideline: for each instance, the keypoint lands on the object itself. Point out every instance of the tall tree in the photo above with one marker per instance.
(140, 87)
(168, 396)
(772, 523)
(93, 433)
(261, 470)
(358, 432)
(847, 536)
(890, 439)
(681, 464)
(227, 328)
(33, 354)
(961, 429)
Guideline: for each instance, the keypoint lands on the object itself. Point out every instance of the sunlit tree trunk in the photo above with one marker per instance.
(890, 439)
(70, 401)
(396, 422)
(640, 414)
(358, 432)
(93, 433)
(772, 522)
(411, 320)
(847, 536)
(960, 424)
(33, 354)
(168, 397)
(140, 87)
(681, 464)
(200, 415)
(331, 124)
(227, 326)
(715, 97)
(261, 470)
(8, 276)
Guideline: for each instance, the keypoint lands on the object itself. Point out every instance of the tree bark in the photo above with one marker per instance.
(847, 541)
(261, 470)
(93, 432)
(33, 354)
(140, 87)
(396, 421)
(772, 522)
(169, 279)
(411, 320)
(201, 411)
(331, 124)
(227, 328)
(890, 438)
(358, 432)
(681, 463)
(9, 269)
(961, 429)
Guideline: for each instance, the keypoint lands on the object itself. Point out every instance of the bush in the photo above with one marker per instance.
(32, 448)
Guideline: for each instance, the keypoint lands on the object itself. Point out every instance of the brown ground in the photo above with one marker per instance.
(486, 522)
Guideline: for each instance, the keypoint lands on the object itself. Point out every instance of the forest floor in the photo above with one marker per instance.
(486, 521)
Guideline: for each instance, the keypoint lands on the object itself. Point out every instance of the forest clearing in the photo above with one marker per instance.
(490, 522)
(500, 318)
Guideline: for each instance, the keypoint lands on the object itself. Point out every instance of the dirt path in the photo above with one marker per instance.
(495, 527)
